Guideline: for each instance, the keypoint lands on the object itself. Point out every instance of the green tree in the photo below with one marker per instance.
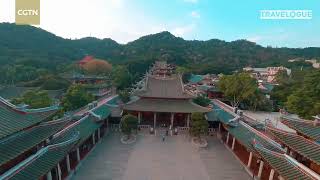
(128, 124)
(35, 99)
(121, 77)
(199, 125)
(124, 96)
(237, 87)
(76, 97)
(202, 101)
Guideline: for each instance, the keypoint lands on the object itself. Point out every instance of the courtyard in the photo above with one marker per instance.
(152, 159)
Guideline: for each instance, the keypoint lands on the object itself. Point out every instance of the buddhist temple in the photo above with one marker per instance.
(162, 99)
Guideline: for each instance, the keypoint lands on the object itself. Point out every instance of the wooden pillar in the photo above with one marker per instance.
(49, 175)
(271, 174)
(59, 171)
(139, 117)
(250, 160)
(154, 120)
(93, 138)
(172, 119)
(68, 163)
(78, 155)
(188, 120)
(228, 135)
(233, 143)
(99, 134)
(260, 169)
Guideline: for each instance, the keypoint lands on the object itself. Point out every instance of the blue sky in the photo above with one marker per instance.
(127, 20)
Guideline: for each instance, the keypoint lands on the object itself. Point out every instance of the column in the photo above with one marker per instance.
(172, 119)
(68, 162)
(188, 120)
(139, 117)
(93, 138)
(228, 135)
(219, 127)
(250, 160)
(49, 175)
(233, 143)
(260, 169)
(78, 155)
(154, 120)
(271, 174)
(99, 134)
(59, 171)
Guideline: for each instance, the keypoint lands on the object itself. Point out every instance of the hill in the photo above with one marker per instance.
(28, 45)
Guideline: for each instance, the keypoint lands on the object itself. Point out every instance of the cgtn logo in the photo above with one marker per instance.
(28, 12)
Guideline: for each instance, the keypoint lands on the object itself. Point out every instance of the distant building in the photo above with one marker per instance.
(266, 74)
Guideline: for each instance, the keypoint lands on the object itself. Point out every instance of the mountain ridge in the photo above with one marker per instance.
(28, 42)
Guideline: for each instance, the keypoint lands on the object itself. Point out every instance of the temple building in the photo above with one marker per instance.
(33, 146)
(162, 99)
(262, 156)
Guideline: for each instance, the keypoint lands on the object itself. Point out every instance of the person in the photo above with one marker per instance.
(167, 132)
(163, 138)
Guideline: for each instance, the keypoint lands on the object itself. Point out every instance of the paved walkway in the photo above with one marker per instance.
(151, 159)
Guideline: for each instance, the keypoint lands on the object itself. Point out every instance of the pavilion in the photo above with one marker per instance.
(163, 99)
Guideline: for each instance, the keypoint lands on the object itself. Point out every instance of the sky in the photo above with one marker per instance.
(127, 20)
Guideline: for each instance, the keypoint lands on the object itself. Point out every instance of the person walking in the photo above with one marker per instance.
(163, 138)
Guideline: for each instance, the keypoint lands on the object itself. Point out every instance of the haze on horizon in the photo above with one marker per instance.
(127, 20)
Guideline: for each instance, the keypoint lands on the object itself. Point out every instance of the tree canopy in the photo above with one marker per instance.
(34, 99)
(299, 93)
(202, 101)
(76, 97)
(128, 124)
(97, 67)
(238, 87)
(199, 125)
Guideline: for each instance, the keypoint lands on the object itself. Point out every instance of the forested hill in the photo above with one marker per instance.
(25, 44)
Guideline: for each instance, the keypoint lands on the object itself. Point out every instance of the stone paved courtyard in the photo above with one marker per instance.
(151, 159)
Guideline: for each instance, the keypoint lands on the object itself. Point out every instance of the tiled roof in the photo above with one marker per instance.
(42, 162)
(194, 78)
(85, 126)
(103, 111)
(13, 120)
(164, 105)
(14, 145)
(169, 87)
(302, 126)
(303, 146)
(282, 164)
(221, 115)
(247, 135)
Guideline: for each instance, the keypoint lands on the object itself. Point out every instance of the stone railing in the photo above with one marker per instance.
(183, 129)
(144, 126)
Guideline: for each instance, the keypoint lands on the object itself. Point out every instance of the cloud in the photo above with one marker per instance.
(191, 1)
(183, 30)
(195, 14)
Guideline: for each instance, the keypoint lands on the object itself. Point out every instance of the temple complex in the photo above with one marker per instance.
(162, 99)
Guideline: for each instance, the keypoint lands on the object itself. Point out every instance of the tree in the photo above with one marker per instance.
(76, 97)
(237, 87)
(202, 101)
(124, 96)
(35, 99)
(128, 124)
(97, 67)
(199, 125)
(121, 77)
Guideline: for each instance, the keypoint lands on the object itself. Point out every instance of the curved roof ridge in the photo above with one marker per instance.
(301, 167)
(15, 108)
(16, 169)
